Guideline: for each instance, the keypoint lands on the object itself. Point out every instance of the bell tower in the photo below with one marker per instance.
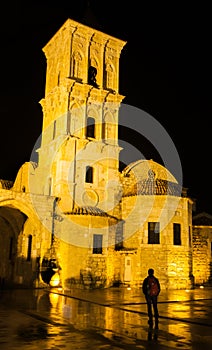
(79, 153)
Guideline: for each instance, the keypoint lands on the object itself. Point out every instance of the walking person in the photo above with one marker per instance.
(151, 290)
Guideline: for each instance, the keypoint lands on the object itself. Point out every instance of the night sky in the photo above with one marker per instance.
(165, 70)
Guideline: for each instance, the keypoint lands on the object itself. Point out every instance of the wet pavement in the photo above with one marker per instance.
(113, 318)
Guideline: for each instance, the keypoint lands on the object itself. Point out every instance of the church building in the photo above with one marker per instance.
(71, 218)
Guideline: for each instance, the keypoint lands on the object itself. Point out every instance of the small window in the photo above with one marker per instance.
(89, 174)
(97, 244)
(177, 234)
(153, 233)
(90, 131)
(29, 248)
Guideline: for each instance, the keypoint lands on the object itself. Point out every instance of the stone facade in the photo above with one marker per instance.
(71, 215)
(202, 248)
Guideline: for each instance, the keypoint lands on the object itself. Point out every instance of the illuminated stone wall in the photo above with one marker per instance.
(19, 221)
(202, 257)
(172, 263)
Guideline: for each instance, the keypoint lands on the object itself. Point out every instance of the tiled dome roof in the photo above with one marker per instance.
(143, 169)
(146, 177)
(154, 187)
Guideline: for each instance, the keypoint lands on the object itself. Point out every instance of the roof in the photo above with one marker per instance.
(146, 177)
(89, 210)
(154, 187)
(144, 169)
(202, 219)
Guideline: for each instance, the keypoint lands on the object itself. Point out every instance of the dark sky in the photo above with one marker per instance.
(165, 70)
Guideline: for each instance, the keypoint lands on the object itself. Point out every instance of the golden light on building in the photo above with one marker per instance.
(74, 207)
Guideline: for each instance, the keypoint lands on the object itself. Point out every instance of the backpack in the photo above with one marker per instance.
(152, 286)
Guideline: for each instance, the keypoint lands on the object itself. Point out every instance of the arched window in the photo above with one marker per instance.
(92, 72)
(29, 248)
(90, 130)
(89, 174)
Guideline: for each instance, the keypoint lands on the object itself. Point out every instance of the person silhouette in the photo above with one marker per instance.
(151, 289)
(152, 334)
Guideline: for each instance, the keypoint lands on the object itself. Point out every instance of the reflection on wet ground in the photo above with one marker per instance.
(103, 319)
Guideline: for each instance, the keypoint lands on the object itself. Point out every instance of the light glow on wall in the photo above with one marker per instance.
(55, 280)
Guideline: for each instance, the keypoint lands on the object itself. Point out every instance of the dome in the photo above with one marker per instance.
(146, 177)
(143, 169)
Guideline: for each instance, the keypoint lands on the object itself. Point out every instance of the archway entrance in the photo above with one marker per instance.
(11, 223)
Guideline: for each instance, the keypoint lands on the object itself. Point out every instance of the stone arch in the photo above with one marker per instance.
(15, 213)
(109, 117)
(92, 112)
(11, 223)
(23, 205)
